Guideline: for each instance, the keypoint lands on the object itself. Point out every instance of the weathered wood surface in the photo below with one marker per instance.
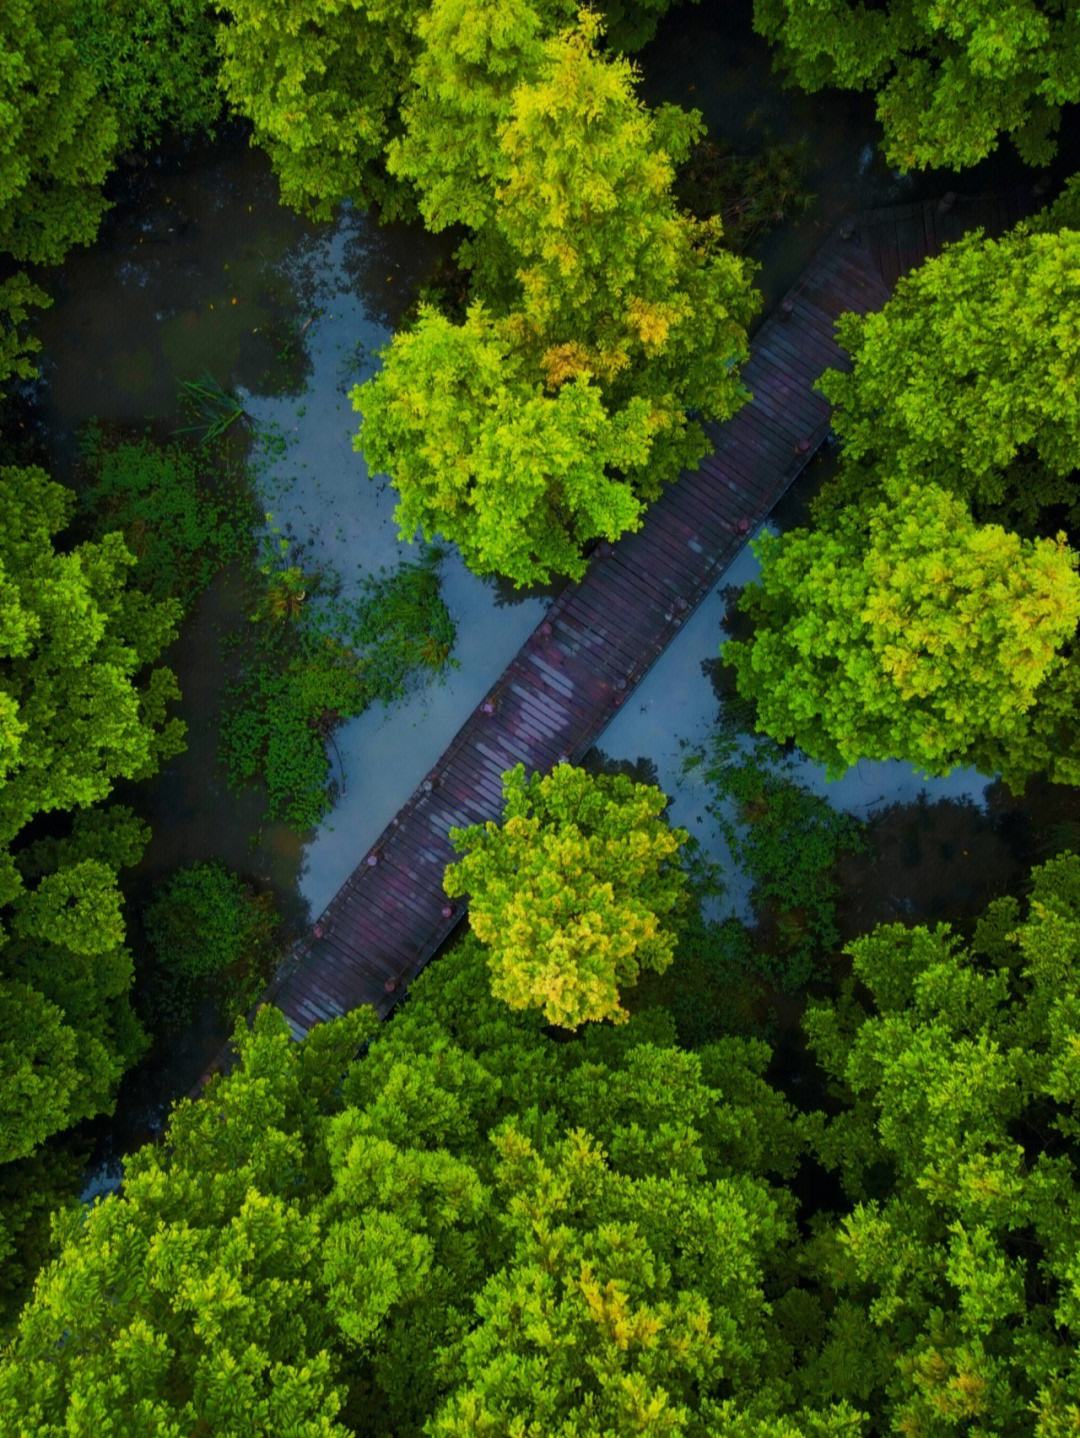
(601, 635)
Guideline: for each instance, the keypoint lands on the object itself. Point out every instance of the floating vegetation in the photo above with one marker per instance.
(307, 666)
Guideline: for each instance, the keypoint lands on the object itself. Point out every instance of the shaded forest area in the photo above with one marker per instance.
(611, 1168)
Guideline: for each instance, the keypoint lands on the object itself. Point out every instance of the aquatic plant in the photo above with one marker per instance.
(786, 839)
(332, 659)
(177, 517)
(214, 407)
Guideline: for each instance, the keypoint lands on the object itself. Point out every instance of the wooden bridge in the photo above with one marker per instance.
(601, 635)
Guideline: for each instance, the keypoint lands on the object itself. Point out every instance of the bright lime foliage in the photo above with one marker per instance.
(482, 456)
(73, 640)
(908, 631)
(559, 407)
(57, 134)
(951, 79)
(968, 376)
(321, 80)
(954, 1302)
(473, 54)
(570, 891)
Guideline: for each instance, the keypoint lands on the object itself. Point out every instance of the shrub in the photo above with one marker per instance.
(213, 936)
(179, 528)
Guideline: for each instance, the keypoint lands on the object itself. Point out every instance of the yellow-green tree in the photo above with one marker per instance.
(613, 313)
(473, 55)
(570, 892)
(968, 376)
(908, 631)
(519, 479)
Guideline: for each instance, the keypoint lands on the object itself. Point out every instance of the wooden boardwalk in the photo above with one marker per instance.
(601, 635)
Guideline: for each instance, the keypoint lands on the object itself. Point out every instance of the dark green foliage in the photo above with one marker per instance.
(181, 527)
(750, 193)
(312, 662)
(787, 840)
(17, 297)
(212, 935)
(712, 987)
(154, 61)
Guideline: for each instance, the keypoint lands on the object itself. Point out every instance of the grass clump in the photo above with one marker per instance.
(212, 407)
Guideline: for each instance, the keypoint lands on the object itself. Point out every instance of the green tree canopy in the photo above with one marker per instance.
(908, 631)
(953, 1302)
(950, 80)
(336, 1245)
(482, 456)
(968, 375)
(614, 280)
(57, 134)
(570, 891)
(474, 53)
(612, 313)
(155, 63)
(17, 297)
(625, 1300)
(79, 708)
(192, 1302)
(321, 80)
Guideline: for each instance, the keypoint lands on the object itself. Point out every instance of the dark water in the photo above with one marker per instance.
(199, 268)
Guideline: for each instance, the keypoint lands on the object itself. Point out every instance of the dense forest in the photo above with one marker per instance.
(569, 1189)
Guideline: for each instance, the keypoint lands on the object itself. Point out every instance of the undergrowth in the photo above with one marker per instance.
(180, 517)
(313, 659)
(786, 839)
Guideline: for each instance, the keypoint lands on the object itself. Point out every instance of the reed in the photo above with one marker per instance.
(215, 409)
